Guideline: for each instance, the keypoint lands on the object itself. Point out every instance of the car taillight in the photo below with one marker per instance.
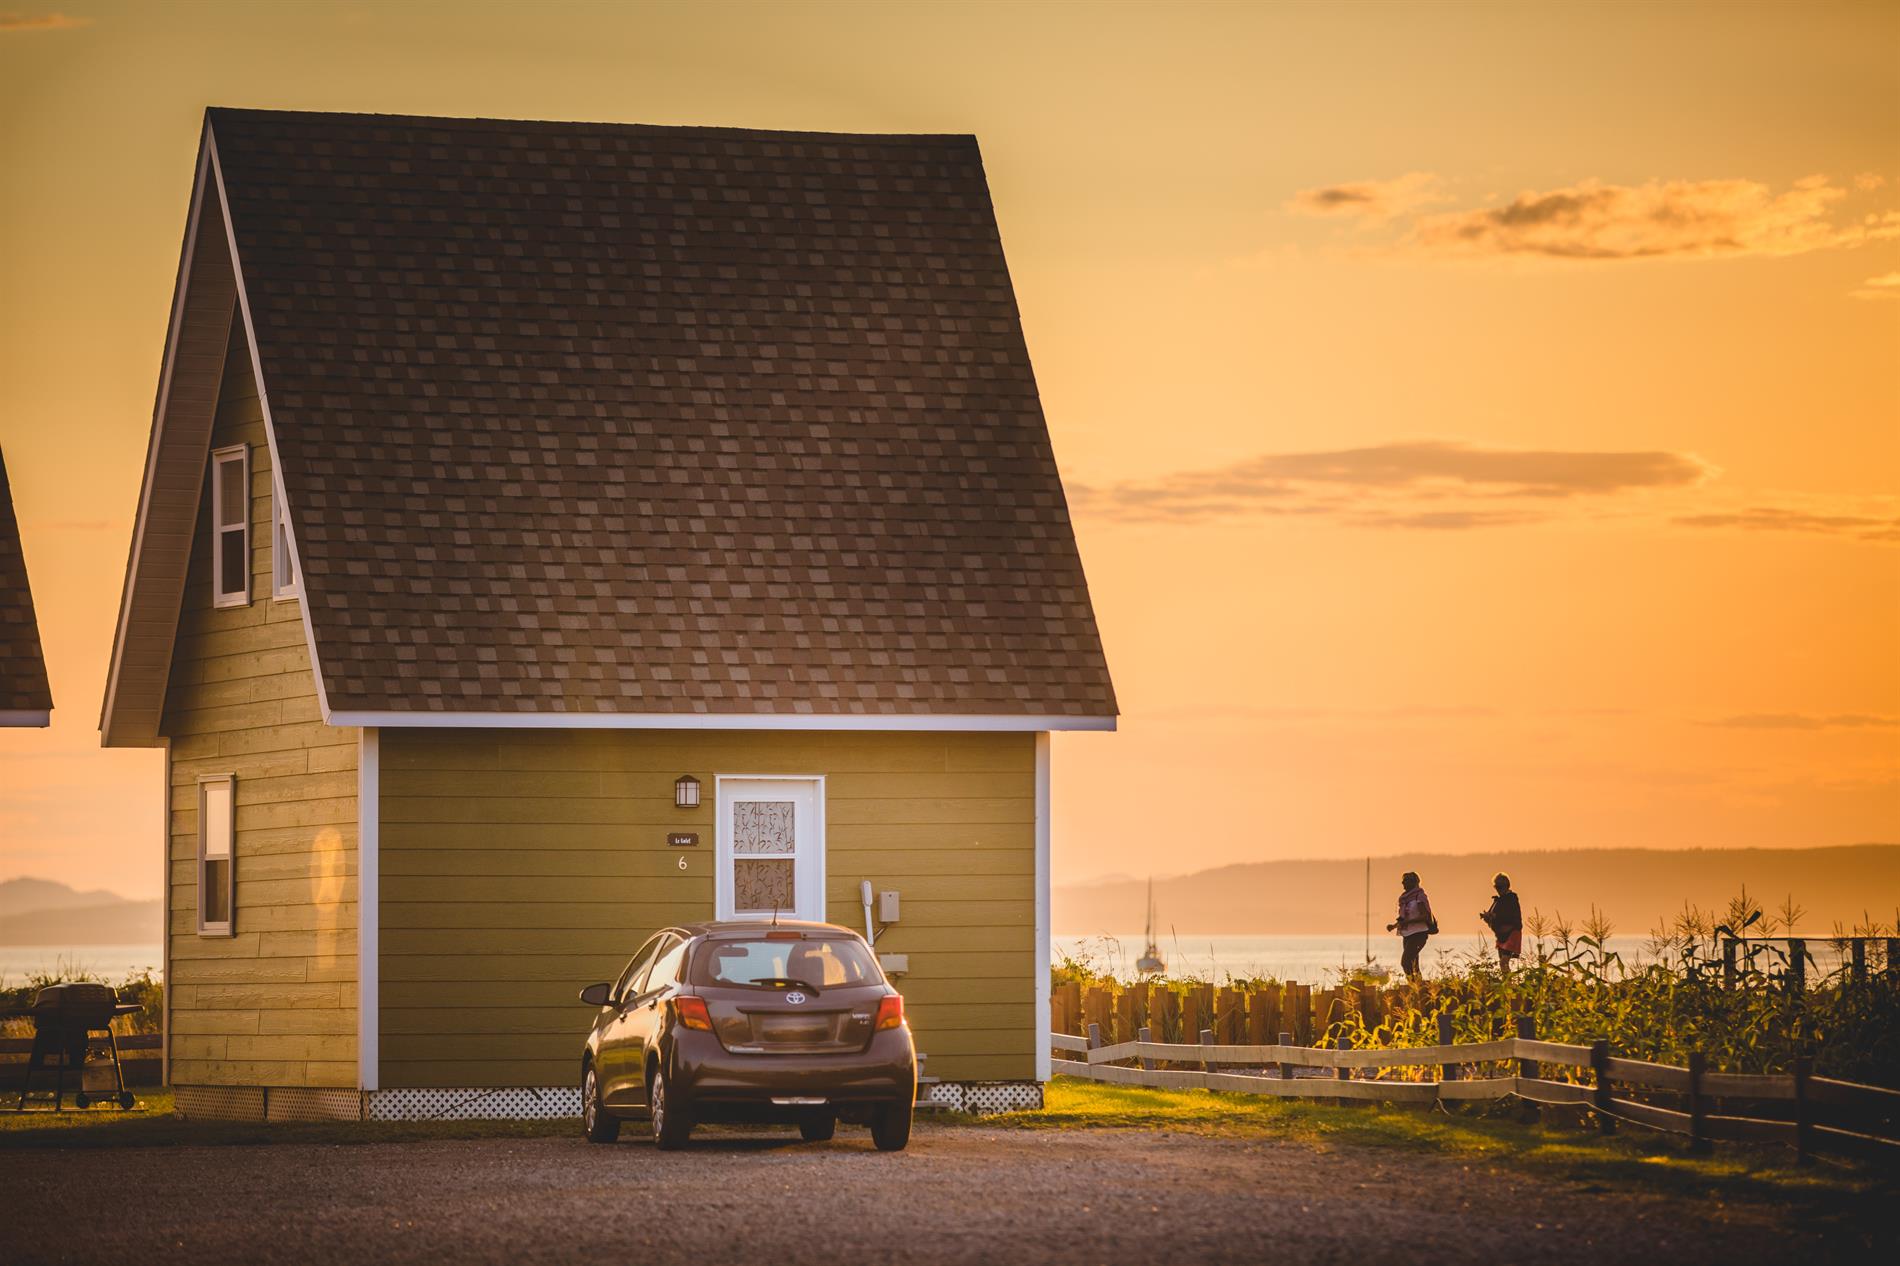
(890, 1012)
(692, 1012)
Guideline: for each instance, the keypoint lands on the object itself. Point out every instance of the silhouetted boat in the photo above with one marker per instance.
(1150, 963)
(1372, 969)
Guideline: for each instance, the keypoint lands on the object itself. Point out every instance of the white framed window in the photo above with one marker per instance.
(217, 855)
(231, 526)
(283, 566)
(770, 857)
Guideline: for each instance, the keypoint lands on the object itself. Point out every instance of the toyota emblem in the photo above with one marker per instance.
(795, 998)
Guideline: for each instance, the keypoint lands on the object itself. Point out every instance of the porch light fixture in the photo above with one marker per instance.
(686, 792)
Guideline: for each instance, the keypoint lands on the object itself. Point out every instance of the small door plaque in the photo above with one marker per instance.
(683, 839)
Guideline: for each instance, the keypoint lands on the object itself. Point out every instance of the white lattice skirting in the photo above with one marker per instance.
(509, 1103)
(982, 1097)
(268, 1103)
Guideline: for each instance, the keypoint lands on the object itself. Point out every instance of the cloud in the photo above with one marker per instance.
(1594, 220)
(1399, 485)
(1374, 200)
(1805, 721)
(1657, 219)
(40, 22)
(1863, 527)
(1680, 218)
(1885, 286)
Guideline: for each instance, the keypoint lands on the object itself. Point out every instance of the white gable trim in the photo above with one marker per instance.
(173, 337)
(909, 721)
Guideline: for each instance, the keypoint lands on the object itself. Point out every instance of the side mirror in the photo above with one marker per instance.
(597, 995)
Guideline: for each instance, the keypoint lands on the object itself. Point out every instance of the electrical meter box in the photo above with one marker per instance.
(887, 907)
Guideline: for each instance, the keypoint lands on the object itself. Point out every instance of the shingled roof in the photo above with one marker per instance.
(25, 697)
(597, 419)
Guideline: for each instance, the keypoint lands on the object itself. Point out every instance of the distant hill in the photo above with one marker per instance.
(43, 912)
(25, 895)
(1633, 887)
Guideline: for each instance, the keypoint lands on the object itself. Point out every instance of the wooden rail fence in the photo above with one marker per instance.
(1817, 1114)
(138, 1052)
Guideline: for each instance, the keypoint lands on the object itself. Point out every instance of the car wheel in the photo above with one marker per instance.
(818, 1129)
(890, 1127)
(671, 1125)
(599, 1126)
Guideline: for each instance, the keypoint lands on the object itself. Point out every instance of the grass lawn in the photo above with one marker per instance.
(153, 1124)
(1561, 1147)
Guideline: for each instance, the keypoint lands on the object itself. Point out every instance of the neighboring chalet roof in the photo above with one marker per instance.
(603, 424)
(25, 697)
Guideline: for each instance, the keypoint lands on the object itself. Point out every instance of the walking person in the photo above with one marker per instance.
(1505, 918)
(1415, 923)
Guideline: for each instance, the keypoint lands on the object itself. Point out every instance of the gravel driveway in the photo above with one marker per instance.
(960, 1194)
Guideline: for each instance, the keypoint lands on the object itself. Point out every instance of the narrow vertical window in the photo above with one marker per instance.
(231, 526)
(283, 568)
(217, 839)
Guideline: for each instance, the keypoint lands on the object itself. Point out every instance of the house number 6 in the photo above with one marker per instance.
(682, 863)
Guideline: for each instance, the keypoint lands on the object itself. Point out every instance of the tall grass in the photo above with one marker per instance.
(1675, 1001)
(140, 987)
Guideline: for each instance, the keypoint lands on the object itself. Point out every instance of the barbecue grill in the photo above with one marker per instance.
(68, 1021)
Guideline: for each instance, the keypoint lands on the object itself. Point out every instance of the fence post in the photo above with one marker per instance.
(1698, 1106)
(1446, 1072)
(1528, 1069)
(1797, 964)
(1860, 959)
(1207, 1039)
(1893, 956)
(1286, 1070)
(1600, 1065)
(1146, 1034)
(1803, 1122)
(1728, 963)
(1095, 1036)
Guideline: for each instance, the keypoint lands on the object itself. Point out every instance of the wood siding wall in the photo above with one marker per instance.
(274, 1005)
(518, 866)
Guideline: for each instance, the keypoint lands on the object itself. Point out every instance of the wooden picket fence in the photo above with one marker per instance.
(1235, 1015)
(139, 1053)
(1815, 1113)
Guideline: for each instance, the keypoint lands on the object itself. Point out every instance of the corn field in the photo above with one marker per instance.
(1750, 1014)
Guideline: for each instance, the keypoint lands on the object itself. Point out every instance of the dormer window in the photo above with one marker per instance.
(283, 566)
(231, 526)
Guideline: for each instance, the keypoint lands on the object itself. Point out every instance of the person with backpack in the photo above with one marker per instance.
(1415, 923)
(1505, 918)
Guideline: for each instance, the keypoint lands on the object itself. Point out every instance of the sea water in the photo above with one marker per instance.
(111, 963)
(1321, 960)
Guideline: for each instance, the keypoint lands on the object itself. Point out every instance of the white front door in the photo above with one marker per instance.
(771, 852)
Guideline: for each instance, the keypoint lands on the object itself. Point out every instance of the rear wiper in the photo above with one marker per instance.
(784, 982)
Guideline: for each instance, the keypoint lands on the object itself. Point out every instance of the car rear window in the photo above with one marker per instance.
(767, 962)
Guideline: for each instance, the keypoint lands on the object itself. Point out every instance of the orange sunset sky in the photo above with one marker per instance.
(1482, 422)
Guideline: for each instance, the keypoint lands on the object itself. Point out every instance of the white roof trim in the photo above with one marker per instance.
(280, 504)
(715, 721)
(173, 331)
(25, 717)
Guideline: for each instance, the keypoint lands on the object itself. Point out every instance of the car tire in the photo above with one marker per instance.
(672, 1124)
(818, 1129)
(890, 1127)
(595, 1121)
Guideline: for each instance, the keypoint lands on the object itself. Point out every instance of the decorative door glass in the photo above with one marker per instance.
(764, 857)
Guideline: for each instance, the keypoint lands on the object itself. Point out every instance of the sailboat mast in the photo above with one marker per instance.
(1368, 909)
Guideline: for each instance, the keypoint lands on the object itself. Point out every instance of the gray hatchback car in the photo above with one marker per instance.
(750, 1022)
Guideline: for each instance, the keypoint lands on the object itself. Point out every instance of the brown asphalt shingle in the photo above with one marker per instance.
(583, 417)
(23, 686)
